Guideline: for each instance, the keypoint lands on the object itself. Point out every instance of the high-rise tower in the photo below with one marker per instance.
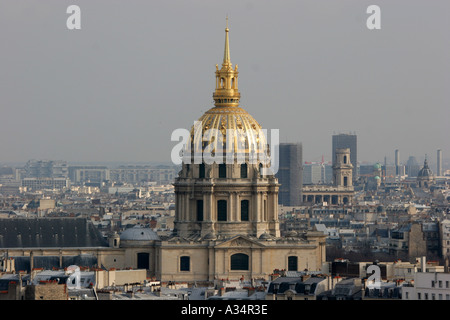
(397, 162)
(290, 174)
(439, 163)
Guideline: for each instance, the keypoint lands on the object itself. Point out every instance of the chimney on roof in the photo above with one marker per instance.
(423, 264)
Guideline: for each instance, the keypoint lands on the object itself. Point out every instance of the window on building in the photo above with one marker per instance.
(222, 210)
(199, 210)
(293, 263)
(419, 296)
(143, 260)
(244, 170)
(201, 173)
(244, 210)
(239, 261)
(185, 262)
(447, 284)
(222, 170)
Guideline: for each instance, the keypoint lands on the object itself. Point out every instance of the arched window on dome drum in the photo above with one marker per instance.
(199, 210)
(222, 170)
(222, 210)
(244, 170)
(244, 210)
(185, 262)
(345, 159)
(201, 170)
(239, 261)
(292, 263)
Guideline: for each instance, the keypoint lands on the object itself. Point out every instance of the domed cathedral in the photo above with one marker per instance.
(221, 190)
(425, 177)
(226, 222)
(226, 217)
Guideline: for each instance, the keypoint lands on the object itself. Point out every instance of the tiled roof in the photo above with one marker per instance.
(49, 232)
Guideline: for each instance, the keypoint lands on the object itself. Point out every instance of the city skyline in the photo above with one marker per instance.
(116, 89)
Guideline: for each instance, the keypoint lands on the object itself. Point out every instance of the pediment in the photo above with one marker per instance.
(240, 242)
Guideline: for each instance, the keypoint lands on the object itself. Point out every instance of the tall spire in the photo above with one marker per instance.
(226, 53)
(226, 93)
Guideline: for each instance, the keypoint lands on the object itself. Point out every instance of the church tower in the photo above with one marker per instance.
(221, 190)
(342, 168)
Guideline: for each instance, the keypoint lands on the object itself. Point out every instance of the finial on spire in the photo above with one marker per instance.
(226, 93)
(226, 54)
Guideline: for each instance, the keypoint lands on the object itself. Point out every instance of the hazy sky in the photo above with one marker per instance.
(137, 70)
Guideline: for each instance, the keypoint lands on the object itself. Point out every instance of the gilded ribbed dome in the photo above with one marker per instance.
(227, 120)
(218, 123)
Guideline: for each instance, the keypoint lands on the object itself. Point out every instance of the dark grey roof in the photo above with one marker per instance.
(383, 292)
(286, 283)
(384, 233)
(138, 233)
(347, 289)
(49, 232)
(8, 277)
(23, 263)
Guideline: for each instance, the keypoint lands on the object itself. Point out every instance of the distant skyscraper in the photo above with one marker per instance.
(397, 162)
(412, 167)
(439, 163)
(313, 174)
(343, 141)
(290, 174)
(317, 173)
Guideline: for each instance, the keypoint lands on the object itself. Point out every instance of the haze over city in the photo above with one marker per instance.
(137, 70)
(100, 200)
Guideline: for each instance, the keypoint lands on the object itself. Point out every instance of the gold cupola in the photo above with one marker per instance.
(226, 93)
(227, 115)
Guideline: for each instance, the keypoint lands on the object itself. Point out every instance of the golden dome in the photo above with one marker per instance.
(222, 125)
(227, 123)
